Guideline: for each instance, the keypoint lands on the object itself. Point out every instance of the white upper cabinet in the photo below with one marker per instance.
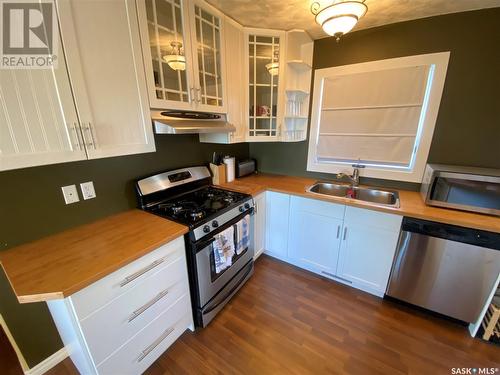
(268, 81)
(367, 250)
(207, 36)
(165, 33)
(93, 105)
(102, 45)
(298, 73)
(235, 85)
(38, 119)
(264, 62)
(314, 236)
(184, 54)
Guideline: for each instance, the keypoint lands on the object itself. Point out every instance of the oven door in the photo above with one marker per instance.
(209, 281)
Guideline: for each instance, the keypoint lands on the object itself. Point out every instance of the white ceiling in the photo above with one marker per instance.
(295, 14)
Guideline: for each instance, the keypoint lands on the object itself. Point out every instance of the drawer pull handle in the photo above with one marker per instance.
(135, 275)
(345, 233)
(146, 306)
(157, 342)
(338, 231)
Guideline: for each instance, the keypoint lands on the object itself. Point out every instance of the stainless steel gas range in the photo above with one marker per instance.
(186, 196)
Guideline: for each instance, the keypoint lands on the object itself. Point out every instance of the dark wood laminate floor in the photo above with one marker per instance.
(9, 364)
(288, 321)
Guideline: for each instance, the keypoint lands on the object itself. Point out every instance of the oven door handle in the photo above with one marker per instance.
(204, 244)
(223, 299)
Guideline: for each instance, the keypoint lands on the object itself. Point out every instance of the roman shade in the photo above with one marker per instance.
(372, 116)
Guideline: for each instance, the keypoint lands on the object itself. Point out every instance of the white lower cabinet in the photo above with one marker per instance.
(352, 245)
(367, 249)
(277, 215)
(138, 354)
(259, 224)
(135, 314)
(314, 236)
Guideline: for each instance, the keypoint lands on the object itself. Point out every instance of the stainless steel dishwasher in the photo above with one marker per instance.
(445, 268)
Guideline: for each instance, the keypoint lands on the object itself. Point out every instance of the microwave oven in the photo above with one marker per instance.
(462, 188)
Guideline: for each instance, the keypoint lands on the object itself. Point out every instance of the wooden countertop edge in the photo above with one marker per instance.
(33, 297)
(105, 272)
(44, 296)
(40, 297)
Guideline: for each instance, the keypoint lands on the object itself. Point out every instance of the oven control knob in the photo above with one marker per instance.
(206, 229)
(247, 205)
(242, 208)
(215, 224)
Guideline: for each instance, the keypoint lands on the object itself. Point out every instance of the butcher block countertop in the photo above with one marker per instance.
(411, 203)
(59, 265)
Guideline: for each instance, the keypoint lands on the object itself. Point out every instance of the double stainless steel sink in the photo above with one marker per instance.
(366, 194)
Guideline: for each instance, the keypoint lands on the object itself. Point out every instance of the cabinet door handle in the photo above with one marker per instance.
(193, 97)
(147, 305)
(87, 128)
(91, 129)
(141, 272)
(345, 233)
(73, 128)
(198, 90)
(338, 231)
(157, 342)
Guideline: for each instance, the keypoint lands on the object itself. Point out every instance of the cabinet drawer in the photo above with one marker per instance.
(108, 328)
(101, 292)
(317, 207)
(144, 348)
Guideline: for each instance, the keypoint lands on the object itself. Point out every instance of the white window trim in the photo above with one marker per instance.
(438, 63)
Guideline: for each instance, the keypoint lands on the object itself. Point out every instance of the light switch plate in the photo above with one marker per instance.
(88, 191)
(70, 194)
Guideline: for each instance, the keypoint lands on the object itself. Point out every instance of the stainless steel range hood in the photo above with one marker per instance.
(188, 122)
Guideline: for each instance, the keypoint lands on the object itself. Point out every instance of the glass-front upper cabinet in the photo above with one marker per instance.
(265, 71)
(167, 60)
(182, 51)
(208, 55)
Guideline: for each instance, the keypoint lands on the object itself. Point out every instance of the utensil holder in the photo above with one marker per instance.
(218, 174)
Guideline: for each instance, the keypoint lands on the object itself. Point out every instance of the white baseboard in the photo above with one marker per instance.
(48, 363)
(258, 254)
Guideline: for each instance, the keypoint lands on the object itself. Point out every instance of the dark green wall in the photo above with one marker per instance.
(32, 206)
(467, 131)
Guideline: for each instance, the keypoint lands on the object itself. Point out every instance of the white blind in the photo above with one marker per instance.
(372, 116)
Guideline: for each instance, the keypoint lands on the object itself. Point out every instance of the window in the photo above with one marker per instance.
(380, 114)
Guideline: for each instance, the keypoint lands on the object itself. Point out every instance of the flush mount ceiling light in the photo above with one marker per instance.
(340, 16)
(176, 60)
(274, 66)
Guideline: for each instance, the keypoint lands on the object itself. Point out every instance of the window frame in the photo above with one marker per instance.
(438, 63)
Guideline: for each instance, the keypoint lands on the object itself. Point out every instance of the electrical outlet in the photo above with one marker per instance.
(70, 194)
(88, 191)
